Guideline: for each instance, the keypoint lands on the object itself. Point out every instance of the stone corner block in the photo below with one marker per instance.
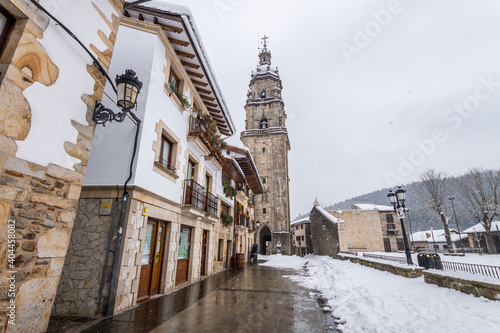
(68, 175)
(53, 244)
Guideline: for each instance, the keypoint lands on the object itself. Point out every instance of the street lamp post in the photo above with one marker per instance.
(398, 202)
(452, 198)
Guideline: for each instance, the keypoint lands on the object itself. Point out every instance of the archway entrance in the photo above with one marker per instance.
(265, 236)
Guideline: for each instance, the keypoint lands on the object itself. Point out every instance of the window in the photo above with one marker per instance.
(263, 180)
(302, 237)
(263, 150)
(6, 24)
(301, 226)
(263, 210)
(281, 121)
(391, 226)
(389, 218)
(166, 153)
(173, 82)
(400, 244)
(191, 171)
(263, 123)
(263, 94)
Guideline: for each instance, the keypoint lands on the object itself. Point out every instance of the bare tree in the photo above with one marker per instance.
(433, 189)
(480, 193)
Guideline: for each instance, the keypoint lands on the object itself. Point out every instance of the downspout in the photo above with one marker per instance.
(234, 230)
(110, 239)
(111, 292)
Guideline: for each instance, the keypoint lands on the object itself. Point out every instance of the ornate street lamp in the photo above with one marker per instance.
(398, 202)
(128, 87)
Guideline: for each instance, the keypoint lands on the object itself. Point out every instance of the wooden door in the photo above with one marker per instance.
(183, 256)
(158, 258)
(387, 245)
(204, 244)
(152, 258)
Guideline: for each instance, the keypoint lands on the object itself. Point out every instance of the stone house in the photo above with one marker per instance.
(301, 236)
(390, 224)
(247, 188)
(172, 231)
(357, 230)
(49, 84)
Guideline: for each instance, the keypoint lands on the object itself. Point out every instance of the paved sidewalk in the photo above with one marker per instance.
(256, 299)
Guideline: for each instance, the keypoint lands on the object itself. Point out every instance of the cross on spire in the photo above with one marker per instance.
(265, 38)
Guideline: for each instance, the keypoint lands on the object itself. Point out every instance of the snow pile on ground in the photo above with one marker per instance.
(368, 300)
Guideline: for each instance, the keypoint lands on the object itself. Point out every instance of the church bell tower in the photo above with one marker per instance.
(267, 138)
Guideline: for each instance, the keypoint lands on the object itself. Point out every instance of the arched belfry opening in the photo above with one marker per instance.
(263, 123)
(265, 239)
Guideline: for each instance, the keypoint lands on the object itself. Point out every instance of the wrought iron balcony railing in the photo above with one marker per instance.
(197, 196)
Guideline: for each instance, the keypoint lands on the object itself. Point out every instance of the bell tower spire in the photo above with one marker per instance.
(266, 136)
(265, 55)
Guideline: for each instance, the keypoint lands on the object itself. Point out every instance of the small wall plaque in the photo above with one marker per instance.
(106, 205)
(145, 211)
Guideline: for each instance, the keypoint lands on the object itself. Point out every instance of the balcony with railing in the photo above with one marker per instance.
(197, 196)
(203, 131)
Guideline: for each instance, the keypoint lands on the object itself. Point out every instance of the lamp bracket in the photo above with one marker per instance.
(102, 114)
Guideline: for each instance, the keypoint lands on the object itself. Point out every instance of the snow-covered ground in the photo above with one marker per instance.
(471, 258)
(368, 300)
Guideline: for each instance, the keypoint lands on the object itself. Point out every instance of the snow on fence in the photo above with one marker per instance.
(493, 271)
(379, 256)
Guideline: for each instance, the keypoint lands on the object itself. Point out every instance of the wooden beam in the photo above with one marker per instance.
(216, 116)
(190, 64)
(213, 110)
(199, 83)
(167, 27)
(195, 75)
(207, 98)
(208, 92)
(178, 42)
(211, 104)
(185, 54)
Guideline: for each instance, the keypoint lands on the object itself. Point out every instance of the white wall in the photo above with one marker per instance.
(112, 148)
(53, 107)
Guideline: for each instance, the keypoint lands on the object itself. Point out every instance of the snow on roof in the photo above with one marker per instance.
(300, 221)
(380, 208)
(439, 236)
(480, 228)
(326, 214)
(187, 17)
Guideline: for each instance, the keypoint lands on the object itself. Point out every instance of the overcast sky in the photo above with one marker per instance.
(375, 91)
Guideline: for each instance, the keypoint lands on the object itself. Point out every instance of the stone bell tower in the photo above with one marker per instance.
(267, 138)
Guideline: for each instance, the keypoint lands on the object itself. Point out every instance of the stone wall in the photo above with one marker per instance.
(409, 272)
(362, 231)
(78, 290)
(324, 234)
(41, 198)
(478, 289)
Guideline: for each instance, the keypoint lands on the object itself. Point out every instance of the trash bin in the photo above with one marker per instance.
(421, 259)
(429, 261)
(437, 261)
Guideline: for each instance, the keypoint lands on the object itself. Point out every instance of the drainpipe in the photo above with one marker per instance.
(234, 227)
(110, 239)
(111, 292)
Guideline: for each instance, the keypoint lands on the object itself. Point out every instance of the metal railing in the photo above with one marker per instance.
(379, 256)
(211, 203)
(493, 271)
(167, 165)
(194, 194)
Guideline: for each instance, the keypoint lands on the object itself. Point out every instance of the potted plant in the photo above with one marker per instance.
(226, 219)
(229, 191)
